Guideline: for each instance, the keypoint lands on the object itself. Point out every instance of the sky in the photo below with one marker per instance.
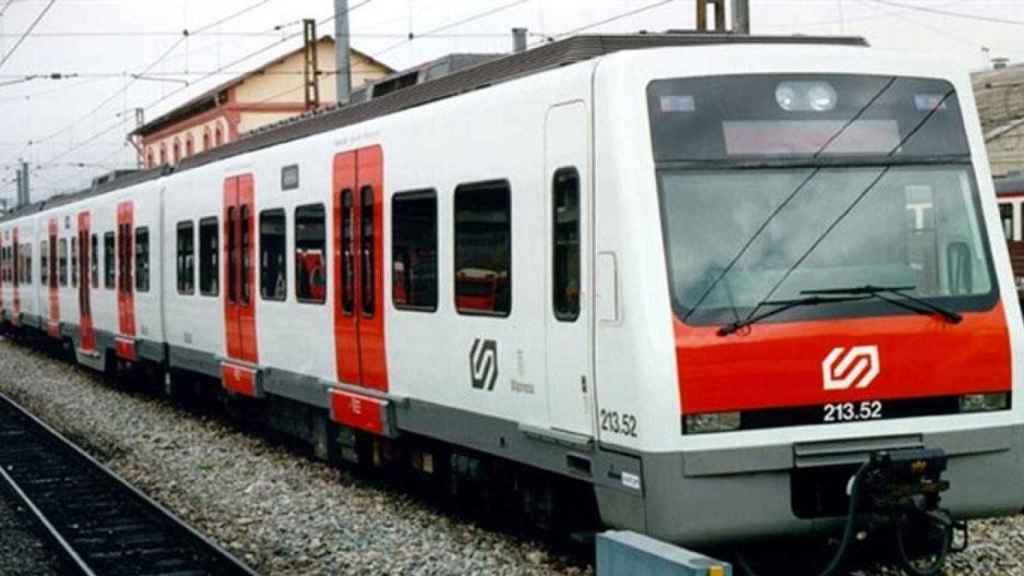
(73, 129)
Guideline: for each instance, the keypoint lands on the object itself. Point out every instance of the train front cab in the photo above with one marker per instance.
(730, 192)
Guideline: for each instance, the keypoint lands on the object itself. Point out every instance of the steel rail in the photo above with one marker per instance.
(79, 460)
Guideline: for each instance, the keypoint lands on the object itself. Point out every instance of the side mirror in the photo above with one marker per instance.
(959, 268)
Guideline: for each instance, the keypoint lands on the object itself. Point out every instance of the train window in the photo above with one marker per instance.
(124, 258)
(246, 248)
(347, 255)
(142, 259)
(273, 250)
(62, 260)
(44, 263)
(53, 261)
(94, 260)
(414, 250)
(565, 228)
(74, 262)
(310, 249)
(208, 257)
(27, 268)
(369, 245)
(230, 248)
(483, 248)
(1006, 215)
(186, 261)
(108, 261)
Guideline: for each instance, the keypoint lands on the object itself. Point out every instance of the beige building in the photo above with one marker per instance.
(1000, 95)
(271, 93)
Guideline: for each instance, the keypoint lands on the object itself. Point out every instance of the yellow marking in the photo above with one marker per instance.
(716, 570)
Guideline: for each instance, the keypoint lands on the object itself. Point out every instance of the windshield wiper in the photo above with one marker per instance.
(908, 302)
(784, 305)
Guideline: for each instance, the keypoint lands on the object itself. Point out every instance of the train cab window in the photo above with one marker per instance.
(310, 250)
(94, 260)
(44, 263)
(273, 253)
(74, 262)
(1006, 215)
(108, 261)
(565, 228)
(483, 248)
(186, 265)
(414, 250)
(142, 259)
(62, 262)
(208, 257)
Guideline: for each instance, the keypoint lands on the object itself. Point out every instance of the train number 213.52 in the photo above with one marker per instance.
(612, 421)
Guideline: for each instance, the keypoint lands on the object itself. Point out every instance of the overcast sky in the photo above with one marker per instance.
(103, 40)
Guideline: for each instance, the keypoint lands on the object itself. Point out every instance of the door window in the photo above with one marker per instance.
(565, 227)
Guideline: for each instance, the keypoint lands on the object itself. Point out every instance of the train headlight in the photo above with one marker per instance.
(806, 96)
(708, 423)
(984, 402)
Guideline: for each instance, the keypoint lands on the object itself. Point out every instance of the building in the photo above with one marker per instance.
(1000, 96)
(267, 95)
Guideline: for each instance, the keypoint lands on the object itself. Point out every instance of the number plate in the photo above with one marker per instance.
(853, 411)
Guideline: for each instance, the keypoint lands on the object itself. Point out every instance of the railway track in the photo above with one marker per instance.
(98, 522)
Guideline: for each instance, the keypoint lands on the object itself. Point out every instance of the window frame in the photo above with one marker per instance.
(283, 214)
(299, 270)
(212, 275)
(470, 188)
(409, 196)
(185, 277)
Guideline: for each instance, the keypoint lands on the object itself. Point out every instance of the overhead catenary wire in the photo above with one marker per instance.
(412, 36)
(951, 13)
(27, 32)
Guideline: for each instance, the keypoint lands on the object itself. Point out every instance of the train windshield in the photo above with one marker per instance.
(773, 186)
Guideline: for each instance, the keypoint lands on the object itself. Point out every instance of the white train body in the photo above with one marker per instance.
(590, 374)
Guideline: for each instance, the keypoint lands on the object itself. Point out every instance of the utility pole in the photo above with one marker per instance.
(741, 17)
(26, 198)
(341, 44)
(311, 70)
(702, 15)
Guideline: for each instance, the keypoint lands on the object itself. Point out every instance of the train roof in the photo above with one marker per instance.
(1009, 184)
(489, 73)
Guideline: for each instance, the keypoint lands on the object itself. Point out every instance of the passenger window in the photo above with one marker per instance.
(44, 263)
(483, 249)
(347, 256)
(74, 262)
(273, 266)
(208, 257)
(186, 258)
(310, 262)
(246, 246)
(108, 261)
(142, 259)
(565, 227)
(414, 250)
(94, 261)
(62, 273)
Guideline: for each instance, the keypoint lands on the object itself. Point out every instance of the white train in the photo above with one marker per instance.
(601, 260)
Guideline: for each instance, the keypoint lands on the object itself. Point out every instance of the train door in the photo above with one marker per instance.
(53, 325)
(87, 333)
(239, 370)
(124, 343)
(570, 379)
(358, 238)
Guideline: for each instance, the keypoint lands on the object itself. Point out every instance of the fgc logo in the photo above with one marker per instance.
(483, 364)
(856, 367)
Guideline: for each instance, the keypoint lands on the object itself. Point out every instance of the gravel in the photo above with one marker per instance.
(22, 552)
(278, 511)
(283, 513)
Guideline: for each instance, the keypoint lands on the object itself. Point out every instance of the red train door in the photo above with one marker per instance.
(16, 277)
(239, 370)
(358, 211)
(87, 333)
(124, 343)
(53, 326)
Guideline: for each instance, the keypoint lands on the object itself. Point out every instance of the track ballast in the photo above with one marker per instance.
(98, 522)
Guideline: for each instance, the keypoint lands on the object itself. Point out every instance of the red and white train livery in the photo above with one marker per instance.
(701, 276)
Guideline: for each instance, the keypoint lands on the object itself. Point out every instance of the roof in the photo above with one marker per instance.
(479, 77)
(1014, 182)
(209, 99)
(1000, 97)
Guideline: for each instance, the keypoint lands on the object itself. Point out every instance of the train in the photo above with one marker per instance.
(1010, 195)
(694, 280)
